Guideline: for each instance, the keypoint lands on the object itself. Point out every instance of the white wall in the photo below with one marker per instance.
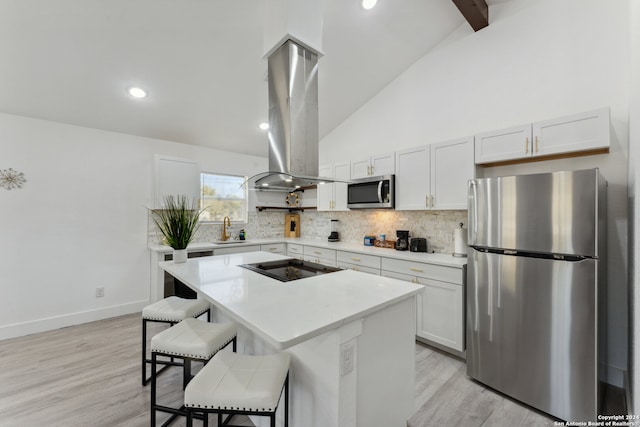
(538, 59)
(80, 221)
(634, 207)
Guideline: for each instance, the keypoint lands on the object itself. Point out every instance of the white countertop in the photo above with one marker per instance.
(431, 258)
(287, 313)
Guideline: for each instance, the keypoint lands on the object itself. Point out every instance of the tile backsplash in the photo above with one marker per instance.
(437, 226)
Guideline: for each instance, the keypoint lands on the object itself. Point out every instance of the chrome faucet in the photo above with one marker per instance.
(226, 222)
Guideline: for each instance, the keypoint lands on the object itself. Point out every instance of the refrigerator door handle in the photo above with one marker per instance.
(473, 227)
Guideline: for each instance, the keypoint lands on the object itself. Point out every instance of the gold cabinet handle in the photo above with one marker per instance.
(537, 148)
(433, 201)
(416, 269)
(356, 259)
(526, 145)
(273, 249)
(426, 200)
(317, 252)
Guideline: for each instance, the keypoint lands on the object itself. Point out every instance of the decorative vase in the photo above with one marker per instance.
(179, 255)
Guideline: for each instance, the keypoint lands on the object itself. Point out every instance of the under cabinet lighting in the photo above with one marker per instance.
(264, 126)
(369, 4)
(137, 92)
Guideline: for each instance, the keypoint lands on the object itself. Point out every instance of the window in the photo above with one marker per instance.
(223, 195)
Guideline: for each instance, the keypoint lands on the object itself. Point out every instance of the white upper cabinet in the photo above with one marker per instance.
(452, 166)
(412, 178)
(434, 176)
(505, 144)
(333, 196)
(175, 177)
(381, 164)
(576, 133)
(579, 132)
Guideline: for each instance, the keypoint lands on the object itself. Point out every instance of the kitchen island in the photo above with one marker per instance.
(350, 335)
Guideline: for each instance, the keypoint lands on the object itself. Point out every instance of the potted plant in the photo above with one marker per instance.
(178, 222)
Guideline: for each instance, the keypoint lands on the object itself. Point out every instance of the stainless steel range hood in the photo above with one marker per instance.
(293, 120)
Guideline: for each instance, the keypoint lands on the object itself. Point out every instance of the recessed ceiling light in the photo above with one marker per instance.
(136, 92)
(264, 125)
(265, 184)
(369, 4)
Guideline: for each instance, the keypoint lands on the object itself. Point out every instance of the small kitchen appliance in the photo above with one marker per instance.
(374, 192)
(418, 244)
(334, 236)
(402, 244)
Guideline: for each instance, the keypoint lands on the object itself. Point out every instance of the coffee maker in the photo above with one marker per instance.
(402, 244)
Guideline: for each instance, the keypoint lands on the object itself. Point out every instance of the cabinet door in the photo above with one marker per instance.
(360, 168)
(325, 191)
(295, 251)
(383, 164)
(452, 165)
(412, 178)
(505, 144)
(341, 172)
(439, 315)
(578, 132)
(176, 177)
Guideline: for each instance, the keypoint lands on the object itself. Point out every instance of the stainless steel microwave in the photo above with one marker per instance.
(375, 192)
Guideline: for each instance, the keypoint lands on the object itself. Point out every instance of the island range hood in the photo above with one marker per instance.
(293, 120)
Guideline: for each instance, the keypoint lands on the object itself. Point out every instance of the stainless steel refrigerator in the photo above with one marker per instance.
(536, 289)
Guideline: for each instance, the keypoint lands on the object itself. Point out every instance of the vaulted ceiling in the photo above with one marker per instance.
(71, 61)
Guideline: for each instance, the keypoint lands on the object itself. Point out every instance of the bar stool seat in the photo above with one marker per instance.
(237, 384)
(175, 309)
(189, 340)
(170, 310)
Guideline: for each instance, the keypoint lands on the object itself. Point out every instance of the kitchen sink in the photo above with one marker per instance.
(227, 242)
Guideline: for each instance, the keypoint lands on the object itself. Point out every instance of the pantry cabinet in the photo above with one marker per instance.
(381, 164)
(440, 307)
(434, 177)
(578, 133)
(333, 196)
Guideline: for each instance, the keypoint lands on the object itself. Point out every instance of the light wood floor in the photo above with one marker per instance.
(89, 375)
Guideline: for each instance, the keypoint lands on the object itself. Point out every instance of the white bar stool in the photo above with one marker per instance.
(170, 310)
(237, 384)
(191, 339)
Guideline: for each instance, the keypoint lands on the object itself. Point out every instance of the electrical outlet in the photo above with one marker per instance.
(99, 292)
(347, 358)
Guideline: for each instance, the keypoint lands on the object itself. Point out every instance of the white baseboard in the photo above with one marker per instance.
(62, 321)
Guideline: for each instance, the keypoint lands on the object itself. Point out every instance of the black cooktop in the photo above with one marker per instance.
(289, 269)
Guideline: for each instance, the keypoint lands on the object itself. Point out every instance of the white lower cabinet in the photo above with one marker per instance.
(440, 307)
(358, 262)
(318, 255)
(295, 250)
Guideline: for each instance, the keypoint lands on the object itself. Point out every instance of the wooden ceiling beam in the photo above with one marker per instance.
(476, 12)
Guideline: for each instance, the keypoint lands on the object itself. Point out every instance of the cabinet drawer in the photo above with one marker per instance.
(275, 248)
(236, 250)
(355, 258)
(313, 251)
(419, 269)
(294, 250)
(356, 267)
(324, 261)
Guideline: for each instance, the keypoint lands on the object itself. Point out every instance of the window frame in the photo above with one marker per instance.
(245, 211)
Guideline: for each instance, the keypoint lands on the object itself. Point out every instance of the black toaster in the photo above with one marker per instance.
(418, 244)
